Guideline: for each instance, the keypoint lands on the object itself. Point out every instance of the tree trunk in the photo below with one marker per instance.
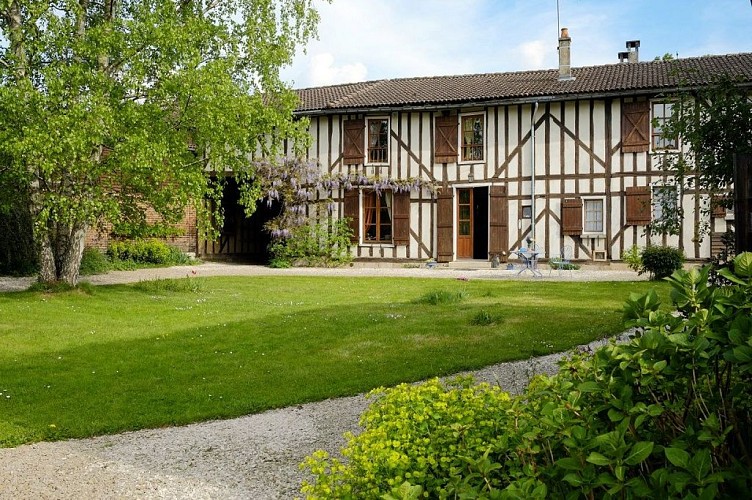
(60, 251)
(46, 258)
(70, 256)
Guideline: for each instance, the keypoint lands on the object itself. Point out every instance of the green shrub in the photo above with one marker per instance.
(660, 262)
(419, 434)
(93, 261)
(315, 244)
(633, 258)
(146, 252)
(666, 415)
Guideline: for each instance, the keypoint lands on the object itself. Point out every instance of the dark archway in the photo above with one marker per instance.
(242, 238)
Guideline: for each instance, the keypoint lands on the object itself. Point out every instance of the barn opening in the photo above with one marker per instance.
(241, 238)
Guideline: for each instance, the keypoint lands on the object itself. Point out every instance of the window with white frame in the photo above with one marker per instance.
(378, 140)
(592, 215)
(662, 112)
(377, 216)
(471, 138)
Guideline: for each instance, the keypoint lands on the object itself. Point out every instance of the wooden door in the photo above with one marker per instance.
(499, 223)
(445, 224)
(464, 223)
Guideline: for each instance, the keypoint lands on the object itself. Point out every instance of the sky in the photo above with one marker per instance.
(361, 40)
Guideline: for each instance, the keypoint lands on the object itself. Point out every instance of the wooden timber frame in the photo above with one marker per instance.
(590, 150)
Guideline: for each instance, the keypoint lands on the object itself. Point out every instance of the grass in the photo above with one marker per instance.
(115, 358)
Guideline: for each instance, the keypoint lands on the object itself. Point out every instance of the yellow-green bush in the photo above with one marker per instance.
(422, 434)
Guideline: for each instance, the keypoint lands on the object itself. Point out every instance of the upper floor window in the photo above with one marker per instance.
(472, 138)
(378, 140)
(662, 112)
(377, 216)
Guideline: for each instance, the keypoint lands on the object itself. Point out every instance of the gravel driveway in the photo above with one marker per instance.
(253, 457)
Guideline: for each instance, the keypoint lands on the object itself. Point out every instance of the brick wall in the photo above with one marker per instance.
(99, 236)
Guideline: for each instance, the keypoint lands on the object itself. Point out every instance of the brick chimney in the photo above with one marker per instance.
(565, 62)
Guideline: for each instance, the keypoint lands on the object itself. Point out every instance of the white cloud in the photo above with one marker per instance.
(534, 53)
(396, 38)
(322, 71)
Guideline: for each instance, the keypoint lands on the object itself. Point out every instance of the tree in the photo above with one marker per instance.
(109, 107)
(711, 124)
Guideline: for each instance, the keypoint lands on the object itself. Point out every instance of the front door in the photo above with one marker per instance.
(464, 223)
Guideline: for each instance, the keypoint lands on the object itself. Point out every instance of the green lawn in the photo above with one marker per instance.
(126, 357)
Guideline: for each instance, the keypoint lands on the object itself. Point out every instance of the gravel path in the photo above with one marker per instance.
(253, 457)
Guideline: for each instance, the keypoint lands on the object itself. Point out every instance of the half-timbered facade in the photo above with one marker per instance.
(567, 157)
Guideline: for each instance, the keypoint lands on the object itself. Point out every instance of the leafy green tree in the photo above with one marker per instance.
(711, 123)
(108, 107)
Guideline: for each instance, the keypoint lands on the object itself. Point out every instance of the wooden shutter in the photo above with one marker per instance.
(401, 218)
(638, 205)
(354, 142)
(571, 216)
(447, 129)
(717, 208)
(352, 211)
(635, 127)
(498, 223)
(444, 225)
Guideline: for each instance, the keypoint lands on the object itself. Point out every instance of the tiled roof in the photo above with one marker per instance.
(611, 79)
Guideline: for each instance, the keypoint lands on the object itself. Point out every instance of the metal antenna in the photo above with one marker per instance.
(558, 26)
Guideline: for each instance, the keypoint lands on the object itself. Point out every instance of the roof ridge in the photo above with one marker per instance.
(373, 83)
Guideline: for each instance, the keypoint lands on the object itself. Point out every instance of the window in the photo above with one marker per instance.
(662, 112)
(472, 138)
(664, 202)
(378, 140)
(377, 216)
(593, 213)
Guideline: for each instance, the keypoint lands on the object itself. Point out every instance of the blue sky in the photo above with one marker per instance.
(363, 40)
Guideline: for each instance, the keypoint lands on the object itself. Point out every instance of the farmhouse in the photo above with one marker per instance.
(563, 157)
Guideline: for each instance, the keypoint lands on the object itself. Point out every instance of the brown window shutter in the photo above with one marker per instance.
(446, 139)
(635, 127)
(444, 225)
(571, 216)
(717, 208)
(498, 223)
(352, 210)
(401, 218)
(354, 142)
(638, 205)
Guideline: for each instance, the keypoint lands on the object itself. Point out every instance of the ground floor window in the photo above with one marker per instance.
(593, 222)
(377, 216)
(664, 201)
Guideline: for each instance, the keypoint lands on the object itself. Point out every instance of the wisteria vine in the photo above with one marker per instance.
(299, 184)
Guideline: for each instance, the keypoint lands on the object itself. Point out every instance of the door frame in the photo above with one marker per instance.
(455, 214)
